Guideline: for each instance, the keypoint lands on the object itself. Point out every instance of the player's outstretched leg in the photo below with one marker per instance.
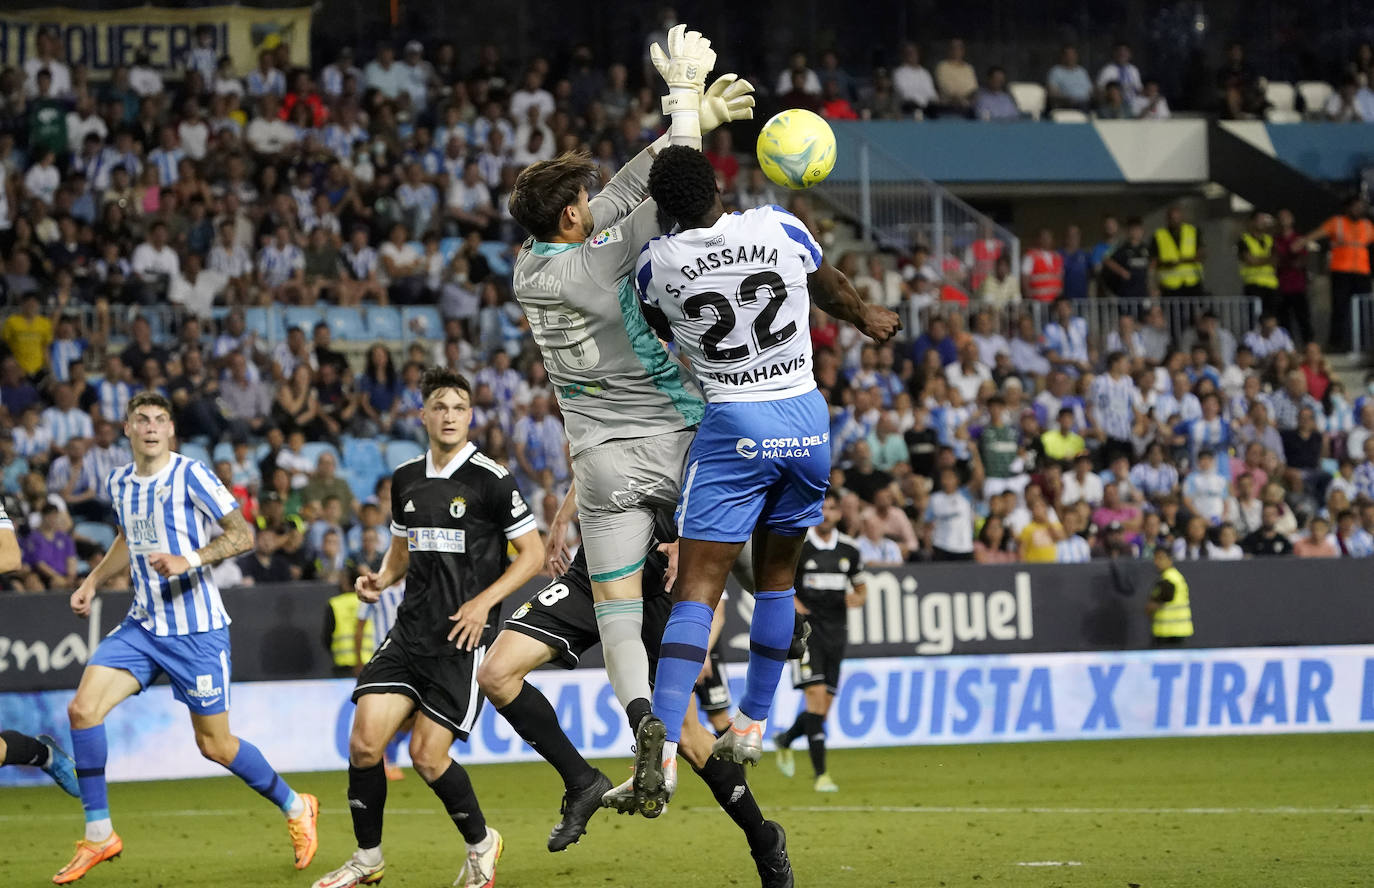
(376, 720)
(40, 752)
(246, 762)
(429, 746)
(767, 841)
(770, 637)
(101, 689)
(502, 678)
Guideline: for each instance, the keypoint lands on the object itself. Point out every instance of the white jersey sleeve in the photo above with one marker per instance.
(736, 297)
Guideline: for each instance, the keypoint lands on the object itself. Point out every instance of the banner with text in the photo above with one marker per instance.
(304, 725)
(104, 40)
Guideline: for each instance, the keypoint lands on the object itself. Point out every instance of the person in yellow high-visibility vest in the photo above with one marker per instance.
(1255, 252)
(341, 623)
(1178, 255)
(1169, 607)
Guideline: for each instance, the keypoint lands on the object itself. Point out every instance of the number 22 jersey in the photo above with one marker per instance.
(736, 297)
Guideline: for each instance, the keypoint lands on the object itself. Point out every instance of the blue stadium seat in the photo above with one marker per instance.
(193, 450)
(400, 450)
(346, 323)
(266, 322)
(103, 535)
(497, 257)
(223, 450)
(363, 455)
(360, 483)
(384, 322)
(303, 316)
(422, 321)
(448, 246)
(312, 450)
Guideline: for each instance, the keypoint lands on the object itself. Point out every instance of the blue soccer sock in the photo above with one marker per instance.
(250, 767)
(89, 749)
(685, 640)
(770, 635)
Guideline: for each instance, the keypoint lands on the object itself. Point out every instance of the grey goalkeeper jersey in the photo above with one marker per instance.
(612, 377)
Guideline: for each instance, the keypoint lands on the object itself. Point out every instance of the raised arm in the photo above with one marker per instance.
(833, 294)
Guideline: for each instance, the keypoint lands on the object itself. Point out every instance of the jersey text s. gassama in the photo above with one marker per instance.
(735, 295)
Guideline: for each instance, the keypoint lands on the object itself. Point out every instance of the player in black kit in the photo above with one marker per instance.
(830, 578)
(558, 625)
(453, 512)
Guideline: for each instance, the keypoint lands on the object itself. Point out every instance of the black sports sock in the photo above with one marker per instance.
(636, 711)
(798, 728)
(731, 789)
(454, 789)
(21, 749)
(366, 802)
(815, 735)
(535, 721)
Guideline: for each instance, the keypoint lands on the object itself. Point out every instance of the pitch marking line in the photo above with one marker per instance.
(1279, 810)
(1050, 863)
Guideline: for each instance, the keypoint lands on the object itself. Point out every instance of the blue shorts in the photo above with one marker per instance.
(197, 665)
(756, 464)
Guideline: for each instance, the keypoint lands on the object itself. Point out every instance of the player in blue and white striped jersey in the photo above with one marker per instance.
(381, 614)
(167, 505)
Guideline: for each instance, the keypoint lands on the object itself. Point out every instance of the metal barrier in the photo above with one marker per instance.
(1362, 324)
(1238, 314)
(894, 207)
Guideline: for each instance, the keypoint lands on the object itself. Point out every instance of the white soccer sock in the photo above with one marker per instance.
(296, 807)
(483, 846)
(669, 750)
(621, 625)
(99, 831)
(369, 856)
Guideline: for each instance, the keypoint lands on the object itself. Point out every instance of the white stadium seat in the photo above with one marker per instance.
(1029, 97)
(1281, 96)
(1283, 115)
(1068, 115)
(1314, 95)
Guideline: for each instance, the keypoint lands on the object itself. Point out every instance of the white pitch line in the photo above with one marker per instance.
(1050, 863)
(1279, 810)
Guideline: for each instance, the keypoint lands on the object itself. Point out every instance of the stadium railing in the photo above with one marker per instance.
(1237, 314)
(1362, 324)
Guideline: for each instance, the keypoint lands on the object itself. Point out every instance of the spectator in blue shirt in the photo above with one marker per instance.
(993, 102)
(1068, 83)
(936, 336)
(1078, 264)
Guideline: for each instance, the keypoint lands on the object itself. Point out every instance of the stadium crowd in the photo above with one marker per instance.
(141, 221)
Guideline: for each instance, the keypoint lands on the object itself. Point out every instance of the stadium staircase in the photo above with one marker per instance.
(1247, 170)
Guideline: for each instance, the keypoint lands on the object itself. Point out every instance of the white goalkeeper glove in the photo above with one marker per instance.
(728, 99)
(684, 67)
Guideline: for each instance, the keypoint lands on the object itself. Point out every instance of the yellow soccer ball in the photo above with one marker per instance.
(796, 149)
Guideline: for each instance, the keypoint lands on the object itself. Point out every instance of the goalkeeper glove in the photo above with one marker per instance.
(683, 67)
(728, 99)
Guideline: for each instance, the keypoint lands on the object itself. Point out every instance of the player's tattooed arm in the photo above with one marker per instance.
(835, 295)
(236, 539)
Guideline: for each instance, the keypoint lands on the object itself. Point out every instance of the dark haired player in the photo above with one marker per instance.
(629, 408)
(732, 290)
(557, 624)
(830, 579)
(453, 511)
(177, 626)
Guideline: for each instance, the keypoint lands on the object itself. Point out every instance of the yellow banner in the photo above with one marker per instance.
(104, 40)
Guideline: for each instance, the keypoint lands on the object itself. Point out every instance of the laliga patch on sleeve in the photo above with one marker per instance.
(607, 236)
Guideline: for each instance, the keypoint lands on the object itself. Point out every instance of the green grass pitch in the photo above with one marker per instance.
(1217, 812)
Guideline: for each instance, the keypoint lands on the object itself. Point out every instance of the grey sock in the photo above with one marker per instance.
(621, 623)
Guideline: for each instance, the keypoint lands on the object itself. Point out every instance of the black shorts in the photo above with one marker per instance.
(445, 688)
(820, 664)
(713, 692)
(561, 615)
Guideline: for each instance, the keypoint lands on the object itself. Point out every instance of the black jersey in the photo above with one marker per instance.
(825, 573)
(456, 522)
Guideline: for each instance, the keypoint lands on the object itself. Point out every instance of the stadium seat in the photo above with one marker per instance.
(1029, 97)
(1068, 115)
(384, 322)
(422, 321)
(1280, 96)
(312, 450)
(266, 322)
(363, 455)
(497, 256)
(99, 533)
(346, 323)
(192, 450)
(448, 246)
(361, 484)
(1280, 115)
(303, 316)
(400, 450)
(223, 450)
(1314, 95)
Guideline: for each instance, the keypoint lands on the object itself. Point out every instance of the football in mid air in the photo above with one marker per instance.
(796, 149)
